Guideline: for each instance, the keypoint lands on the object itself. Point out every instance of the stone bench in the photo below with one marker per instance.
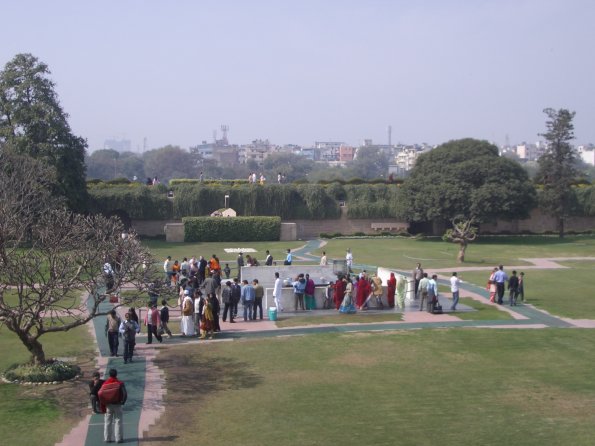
(387, 226)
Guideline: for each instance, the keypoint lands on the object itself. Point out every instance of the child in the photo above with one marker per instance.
(94, 387)
(227, 270)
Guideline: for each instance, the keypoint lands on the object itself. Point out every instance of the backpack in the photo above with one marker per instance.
(110, 393)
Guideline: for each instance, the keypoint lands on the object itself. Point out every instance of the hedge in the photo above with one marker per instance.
(231, 229)
(139, 202)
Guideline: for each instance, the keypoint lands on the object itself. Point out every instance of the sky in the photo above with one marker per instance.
(296, 72)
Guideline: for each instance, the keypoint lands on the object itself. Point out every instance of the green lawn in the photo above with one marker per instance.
(45, 413)
(161, 249)
(562, 292)
(422, 387)
(482, 311)
(404, 253)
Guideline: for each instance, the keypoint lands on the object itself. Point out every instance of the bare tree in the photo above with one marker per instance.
(52, 260)
(463, 232)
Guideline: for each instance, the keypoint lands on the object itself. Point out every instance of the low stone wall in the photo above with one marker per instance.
(538, 223)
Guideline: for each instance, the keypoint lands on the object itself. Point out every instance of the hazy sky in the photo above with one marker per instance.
(300, 71)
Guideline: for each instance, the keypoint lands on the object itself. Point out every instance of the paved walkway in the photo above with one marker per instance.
(145, 382)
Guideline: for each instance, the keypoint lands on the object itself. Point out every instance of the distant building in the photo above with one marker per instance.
(257, 151)
(119, 145)
(346, 153)
(329, 150)
(587, 154)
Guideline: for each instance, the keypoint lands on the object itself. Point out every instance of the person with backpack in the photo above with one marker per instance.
(112, 397)
(129, 329)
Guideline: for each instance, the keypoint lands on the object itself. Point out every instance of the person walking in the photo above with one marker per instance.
(94, 386)
(240, 262)
(278, 292)
(500, 278)
(391, 288)
(112, 323)
(112, 397)
(269, 259)
(513, 288)
(349, 260)
(247, 299)
(432, 293)
(522, 286)
(164, 315)
(454, 289)
(152, 321)
(418, 274)
(323, 259)
(424, 284)
(227, 302)
(258, 295)
(236, 296)
(288, 258)
(129, 329)
(299, 288)
(309, 293)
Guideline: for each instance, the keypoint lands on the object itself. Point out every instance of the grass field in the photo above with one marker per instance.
(562, 292)
(404, 253)
(44, 413)
(422, 387)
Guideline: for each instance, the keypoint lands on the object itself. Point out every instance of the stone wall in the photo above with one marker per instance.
(538, 222)
(309, 229)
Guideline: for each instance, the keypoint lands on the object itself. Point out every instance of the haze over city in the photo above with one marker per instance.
(299, 72)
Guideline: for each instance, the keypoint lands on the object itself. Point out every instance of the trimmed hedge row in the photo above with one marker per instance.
(288, 201)
(142, 202)
(236, 229)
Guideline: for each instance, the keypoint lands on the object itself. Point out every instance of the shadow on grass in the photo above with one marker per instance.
(208, 375)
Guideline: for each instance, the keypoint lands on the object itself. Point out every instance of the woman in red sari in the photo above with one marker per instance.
(391, 288)
(363, 291)
(339, 292)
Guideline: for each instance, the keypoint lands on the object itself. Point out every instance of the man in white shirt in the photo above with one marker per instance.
(323, 260)
(454, 288)
(277, 292)
(349, 260)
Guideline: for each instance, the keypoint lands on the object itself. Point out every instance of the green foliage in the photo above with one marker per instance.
(228, 229)
(183, 181)
(557, 171)
(467, 178)
(373, 200)
(585, 199)
(138, 201)
(33, 123)
(49, 372)
(288, 201)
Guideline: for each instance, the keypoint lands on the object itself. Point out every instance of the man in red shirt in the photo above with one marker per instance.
(111, 405)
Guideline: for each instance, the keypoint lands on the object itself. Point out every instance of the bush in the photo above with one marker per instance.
(141, 202)
(51, 371)
(231, 229)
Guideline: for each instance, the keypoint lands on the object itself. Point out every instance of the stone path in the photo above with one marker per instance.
(145, 382)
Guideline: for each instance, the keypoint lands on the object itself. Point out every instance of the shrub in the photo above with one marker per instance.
(232, 229)
(51, 371)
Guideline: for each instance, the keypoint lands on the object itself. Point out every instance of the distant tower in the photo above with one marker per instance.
(224, 129)
(390, 134)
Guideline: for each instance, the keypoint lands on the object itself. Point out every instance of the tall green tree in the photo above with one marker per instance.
(33, 123)
(466, 182)
(557, 166)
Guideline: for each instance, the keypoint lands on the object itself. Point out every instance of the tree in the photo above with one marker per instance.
(369, 163)
(170, 162)
(557, 169)
(293, 167)
(466, 182)
(33, 123)
(51, 259)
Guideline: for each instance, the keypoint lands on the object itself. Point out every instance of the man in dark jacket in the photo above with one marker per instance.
(165, 318)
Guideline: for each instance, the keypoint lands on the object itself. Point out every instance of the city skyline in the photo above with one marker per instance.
(295, 73)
